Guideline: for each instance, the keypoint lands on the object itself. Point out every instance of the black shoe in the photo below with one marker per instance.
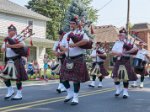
(67, 100)
(74, 103)
(6, 98)
(116, 95)
(91, 86)
(58, 90)
(125, 97)
(16, 98)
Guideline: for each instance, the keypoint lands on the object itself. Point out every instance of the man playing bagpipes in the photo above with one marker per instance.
(60, 57)
(98, 55)
(14, 68)
(122, 70)
(74, 67)
(139, 63)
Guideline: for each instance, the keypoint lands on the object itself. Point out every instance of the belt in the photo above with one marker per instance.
(14, 58)
(78, 56)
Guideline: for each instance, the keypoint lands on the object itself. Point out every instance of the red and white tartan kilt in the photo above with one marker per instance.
(103, 71)
(79, 73)
(130, 72)
(21, 72)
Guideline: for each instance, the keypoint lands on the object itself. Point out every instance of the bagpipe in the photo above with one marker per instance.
(100, 52)
(25, 33)
(129, 44)
(78, 37)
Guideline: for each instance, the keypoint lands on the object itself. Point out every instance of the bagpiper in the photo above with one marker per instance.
(139, 63)
(60, 57)
(122, 70)
(98, 56)
(74, 67)
(14, 65)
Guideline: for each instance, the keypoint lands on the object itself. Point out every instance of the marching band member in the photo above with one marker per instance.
(122, 70)
(61, 56)
(98, 61)
(139, 63)
(74, 67)
(19, 67)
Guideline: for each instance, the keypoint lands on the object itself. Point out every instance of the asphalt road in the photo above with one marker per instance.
(43, 98)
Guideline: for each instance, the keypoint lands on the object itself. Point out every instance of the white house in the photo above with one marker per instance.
(11, 13)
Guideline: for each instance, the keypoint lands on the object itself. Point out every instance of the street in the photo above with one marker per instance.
(44, 98)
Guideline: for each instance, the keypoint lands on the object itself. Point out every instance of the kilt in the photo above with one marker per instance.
(79, 73)
(21, 72)
(103, 71)
(126, 63)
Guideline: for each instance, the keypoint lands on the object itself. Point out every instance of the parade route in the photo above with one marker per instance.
(43, 98)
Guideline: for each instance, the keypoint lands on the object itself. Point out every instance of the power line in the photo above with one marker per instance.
(105, 5)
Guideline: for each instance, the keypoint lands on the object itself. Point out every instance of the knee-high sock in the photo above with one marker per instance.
(19, 85)
(7, 83)
(66, 84)
(117, 83)
(93, 77)
(61, 81)
(76, 87)
(142, 78)
(126, 84)
(100, 78)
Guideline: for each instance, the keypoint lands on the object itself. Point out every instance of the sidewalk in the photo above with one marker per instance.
(31, 83)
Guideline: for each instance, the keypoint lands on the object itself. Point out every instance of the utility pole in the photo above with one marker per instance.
(128, 18)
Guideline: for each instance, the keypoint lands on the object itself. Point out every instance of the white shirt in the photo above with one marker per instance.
(56, 45)
(141, 54)
(9, 51)
(118, 46)
(76, 50)
(93, 54)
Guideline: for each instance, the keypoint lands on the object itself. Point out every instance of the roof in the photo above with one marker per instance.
(107, 33)
(9, 7)
(141, 26)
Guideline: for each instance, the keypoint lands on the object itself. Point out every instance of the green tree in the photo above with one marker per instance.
(54, 9)
(81, 9)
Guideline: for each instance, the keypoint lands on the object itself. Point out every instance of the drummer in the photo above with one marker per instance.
(141, 59)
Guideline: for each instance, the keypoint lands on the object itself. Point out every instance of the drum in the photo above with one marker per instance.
(138, 63)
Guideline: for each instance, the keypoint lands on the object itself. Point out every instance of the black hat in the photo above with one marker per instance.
(74, 20)
(12, 28)
(61, 32)
(123, 31)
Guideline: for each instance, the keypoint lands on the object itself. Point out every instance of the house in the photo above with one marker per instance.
(106, 34)
(21, 17)
(143, 30)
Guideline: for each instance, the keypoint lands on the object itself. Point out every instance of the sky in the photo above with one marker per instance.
(115, 13)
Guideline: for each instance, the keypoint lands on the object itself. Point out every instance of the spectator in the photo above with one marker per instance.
(36, 70)
(45, 60)
(30, 69)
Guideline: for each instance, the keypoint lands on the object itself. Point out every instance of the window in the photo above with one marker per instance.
(30, 23)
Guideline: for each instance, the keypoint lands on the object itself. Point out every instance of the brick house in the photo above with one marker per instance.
(143, 30)
(106, 34)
